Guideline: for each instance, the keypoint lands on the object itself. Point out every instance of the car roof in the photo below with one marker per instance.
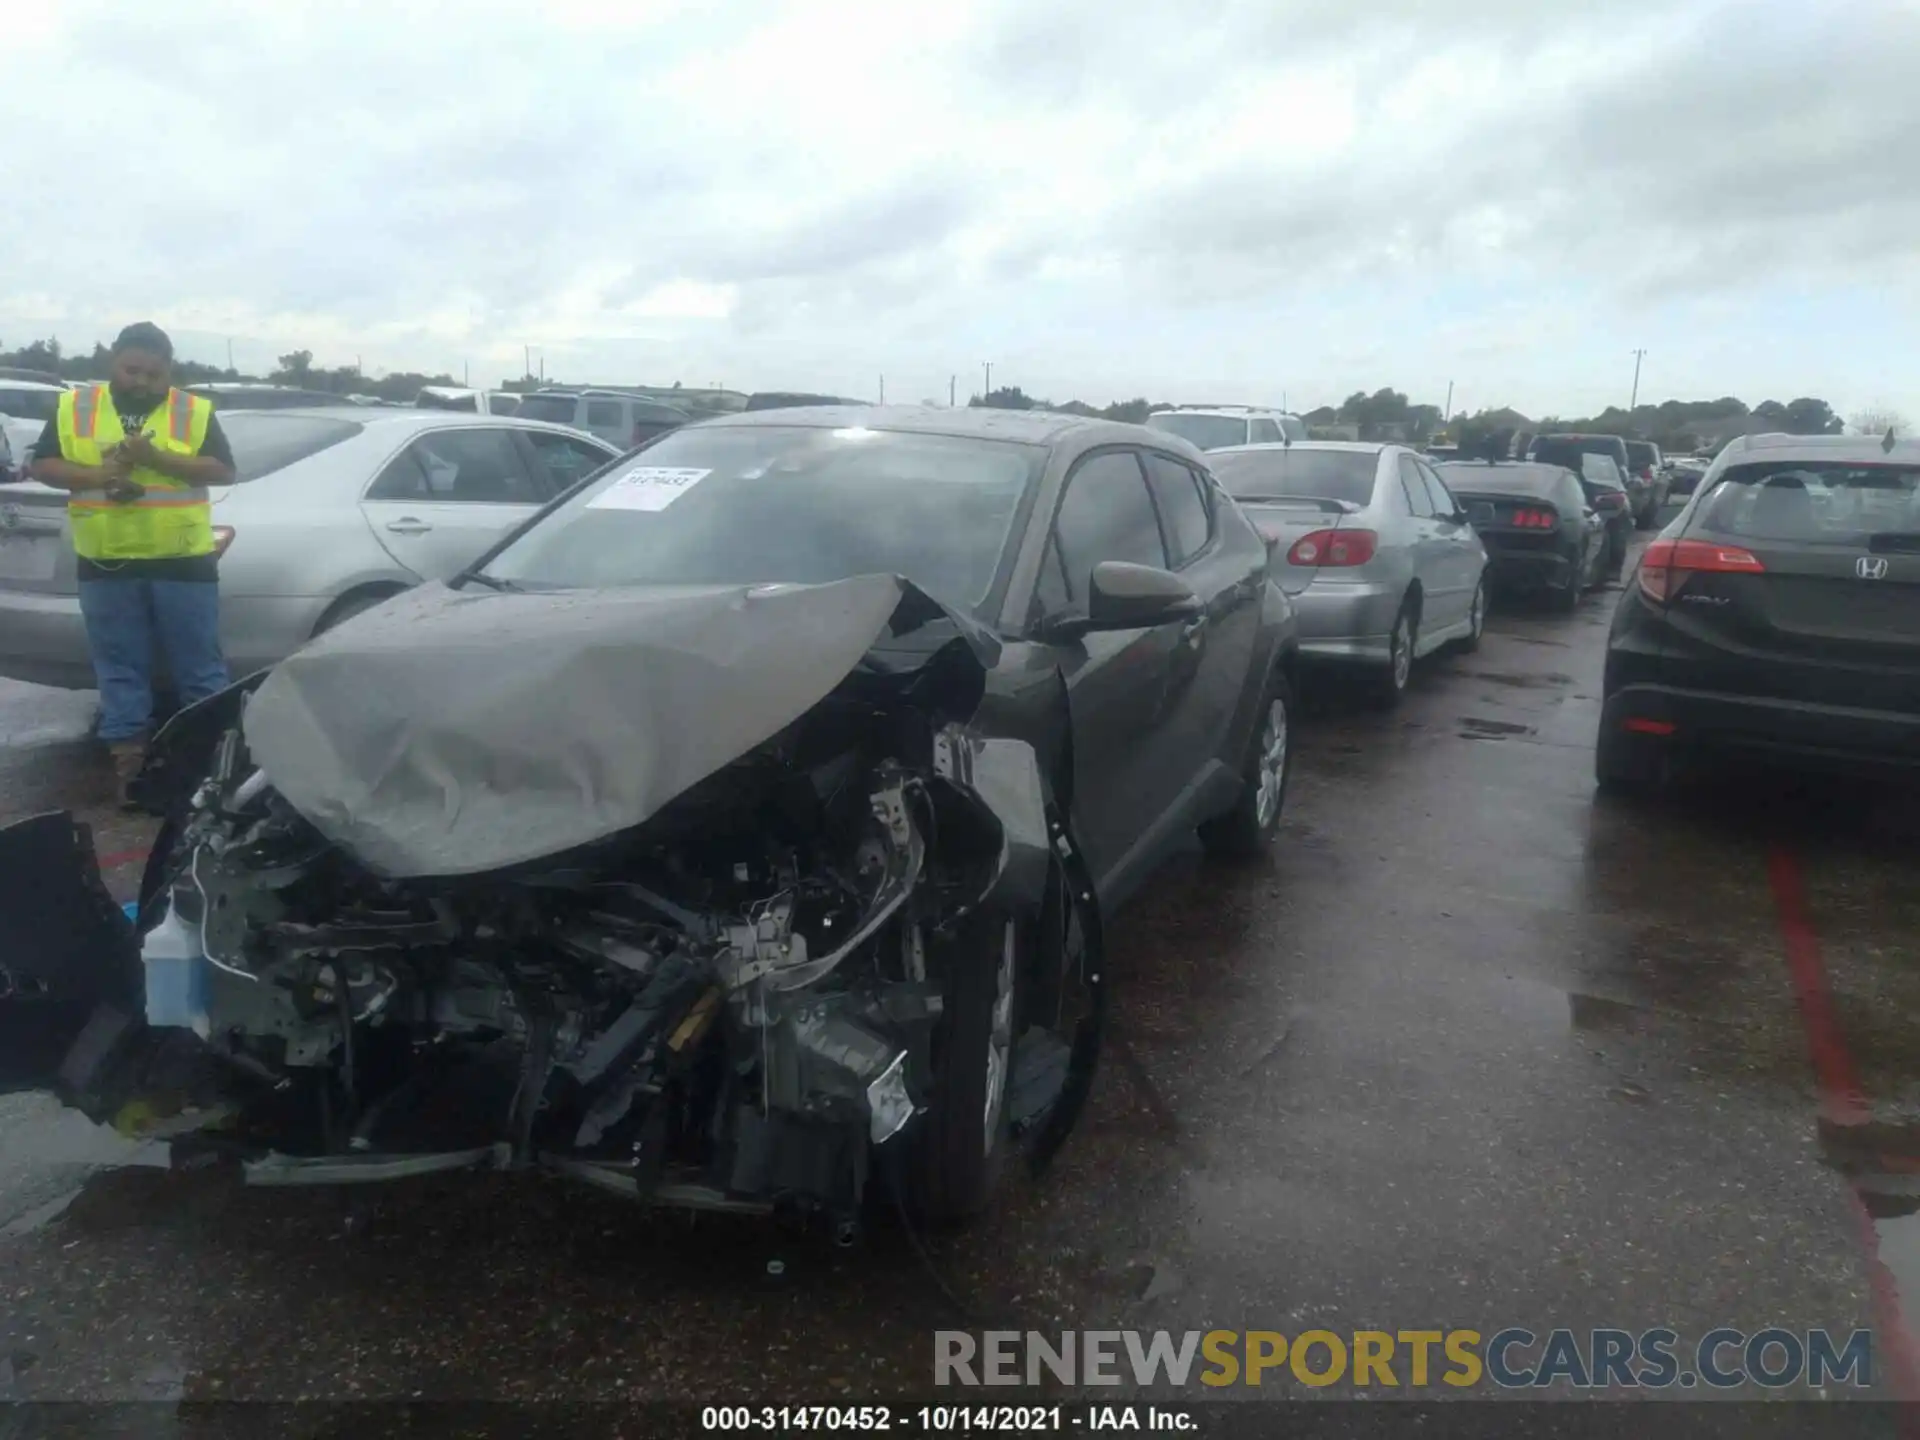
(400, 418)
(1359, 447)
(1825, 449)
(1225, 410)
(1031, 427)
(1577, 435)
(13, 384)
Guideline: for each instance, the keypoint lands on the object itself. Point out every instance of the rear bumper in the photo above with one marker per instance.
(1697, 724)
(1346, 621)
(43, 640)
(1530, 569)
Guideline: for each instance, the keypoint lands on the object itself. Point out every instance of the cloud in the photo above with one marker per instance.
(1134, 197)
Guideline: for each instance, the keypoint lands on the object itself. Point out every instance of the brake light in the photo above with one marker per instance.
(1335, 548)
(1535, 519)
(222, 538)
(1668, 563)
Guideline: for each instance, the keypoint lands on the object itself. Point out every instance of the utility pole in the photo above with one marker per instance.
(229, 352)
(1446, 416)
(1638, 356)
(953, 389)
(883, 389)
(526, 359)
(987, 365)
(466, 373)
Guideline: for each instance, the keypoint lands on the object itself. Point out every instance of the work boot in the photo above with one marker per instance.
(129, 758)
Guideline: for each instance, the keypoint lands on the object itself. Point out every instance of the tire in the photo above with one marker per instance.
(1646, 518)
(956, 1154)
(348, 606)
(1391, 680)
(1622, 769)
(1476, 621)
(1246, 832)
(1566, 600)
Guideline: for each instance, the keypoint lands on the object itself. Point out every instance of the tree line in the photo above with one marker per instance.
(1679, 426)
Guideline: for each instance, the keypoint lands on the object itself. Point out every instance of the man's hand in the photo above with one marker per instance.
(138, 447)
(123, 491)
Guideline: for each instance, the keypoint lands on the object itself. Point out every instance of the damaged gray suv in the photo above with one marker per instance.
(735, 835)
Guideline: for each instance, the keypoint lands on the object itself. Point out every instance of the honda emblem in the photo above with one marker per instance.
(1870, 567)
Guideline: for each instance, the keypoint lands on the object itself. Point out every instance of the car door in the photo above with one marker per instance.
(561, 461)
(1428, 551)
(1462, 557)
(449, 495)
(1225, 570)
(1118, 682)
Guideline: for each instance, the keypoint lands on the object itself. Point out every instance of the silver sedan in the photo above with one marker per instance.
(1374, 551)
(335, 510)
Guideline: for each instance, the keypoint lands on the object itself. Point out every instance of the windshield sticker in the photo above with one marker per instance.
(647, 487)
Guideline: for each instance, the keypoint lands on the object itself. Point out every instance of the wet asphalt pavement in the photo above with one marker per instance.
(1474, 1049)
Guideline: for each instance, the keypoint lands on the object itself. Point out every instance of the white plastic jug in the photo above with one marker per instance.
(176, 976)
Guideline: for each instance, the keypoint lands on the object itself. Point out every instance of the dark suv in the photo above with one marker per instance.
(1566, 450)
(1650, 465)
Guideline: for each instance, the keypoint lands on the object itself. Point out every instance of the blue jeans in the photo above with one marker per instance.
(124, 619)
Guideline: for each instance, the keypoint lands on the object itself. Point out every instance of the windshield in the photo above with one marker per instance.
(1815, 504)
(1298, 474)
(24, 404)
(1209, 432)
(264, 442)
(746, 504)
(555, 409)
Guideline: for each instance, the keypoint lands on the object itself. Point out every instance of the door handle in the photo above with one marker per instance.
(407, 525)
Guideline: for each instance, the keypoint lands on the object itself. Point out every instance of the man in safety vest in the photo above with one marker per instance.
(137, 457)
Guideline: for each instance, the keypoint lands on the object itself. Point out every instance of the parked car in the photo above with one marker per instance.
(1214, 427)
(1647, 462)
(461, 399)
(1541, 533)
(335, 510)
(1440, 454)
(1606, 489)
(763, 850)
(10, 373)
(1685, 473)
(1777, 617)
(231, 395)
(615, 416)
(25, 408)
(1566, 450)
(1375, 553)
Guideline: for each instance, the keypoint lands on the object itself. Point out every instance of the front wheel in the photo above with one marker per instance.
(1246, 831)
(957, 1152)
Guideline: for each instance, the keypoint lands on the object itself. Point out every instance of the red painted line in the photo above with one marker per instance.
(123, 857)
(1843, 1101)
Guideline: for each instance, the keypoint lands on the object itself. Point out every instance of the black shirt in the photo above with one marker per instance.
(187, 567)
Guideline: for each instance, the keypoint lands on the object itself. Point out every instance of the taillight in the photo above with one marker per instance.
(1535, 519)
(1646, 472)
(1668, 563)
(222, 538)
(1337, 548)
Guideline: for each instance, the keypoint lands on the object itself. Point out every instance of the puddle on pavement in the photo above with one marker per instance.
(1473, 727)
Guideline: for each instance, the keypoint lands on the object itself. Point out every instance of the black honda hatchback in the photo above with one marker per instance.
(1777, 617)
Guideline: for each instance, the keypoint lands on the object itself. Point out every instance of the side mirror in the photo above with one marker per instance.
(1124, 596)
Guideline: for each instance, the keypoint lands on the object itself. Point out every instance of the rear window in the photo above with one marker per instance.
(1297, 474)
(554, 409)
(263, 443)
(28, 404)
(1465, 478)
(1815, 504)
(1641, 455)
(1567, 449)
(1209, 432)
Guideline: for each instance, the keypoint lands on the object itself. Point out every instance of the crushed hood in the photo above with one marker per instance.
(453, 732)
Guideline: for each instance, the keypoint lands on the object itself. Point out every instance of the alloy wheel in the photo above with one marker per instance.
(1273, 764)
(1000, 1038)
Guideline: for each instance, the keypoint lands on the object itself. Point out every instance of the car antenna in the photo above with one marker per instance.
(1886, 445)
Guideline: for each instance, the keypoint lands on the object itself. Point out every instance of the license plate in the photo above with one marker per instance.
(27, 557)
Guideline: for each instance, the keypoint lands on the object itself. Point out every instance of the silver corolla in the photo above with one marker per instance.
(1373, 549)
(335, 511)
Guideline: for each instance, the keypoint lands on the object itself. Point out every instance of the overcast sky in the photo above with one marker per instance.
(1246, 203)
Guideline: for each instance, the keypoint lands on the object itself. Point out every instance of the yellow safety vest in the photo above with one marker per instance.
(172, 519)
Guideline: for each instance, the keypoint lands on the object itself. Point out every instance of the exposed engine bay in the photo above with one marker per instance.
(854, 936)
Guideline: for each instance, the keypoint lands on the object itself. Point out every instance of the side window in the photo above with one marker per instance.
(1573, 497)
(1107, 514)
(1265, 432)
(605, 413)
(1184, 513)
(565, 458)
(1415, 489)
(1050, 593)
(470, 466)
(1444, 504)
